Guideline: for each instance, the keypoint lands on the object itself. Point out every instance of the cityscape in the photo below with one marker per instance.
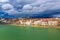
(31, 21)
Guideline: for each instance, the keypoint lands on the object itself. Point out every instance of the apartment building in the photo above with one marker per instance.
(34, 21)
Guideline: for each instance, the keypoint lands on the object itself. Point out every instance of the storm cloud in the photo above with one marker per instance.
(41, 8)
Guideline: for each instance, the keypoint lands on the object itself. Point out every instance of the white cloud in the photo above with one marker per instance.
(4, 0)
(27, 7)
(32, 6)
(7, 6)
(41, 6)
(25, 1)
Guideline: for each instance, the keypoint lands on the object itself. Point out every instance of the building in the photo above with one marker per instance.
(33, 21)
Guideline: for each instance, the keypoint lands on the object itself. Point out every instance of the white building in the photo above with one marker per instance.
(44, 23)
(38, 22)
(53, 23)
(28, 23)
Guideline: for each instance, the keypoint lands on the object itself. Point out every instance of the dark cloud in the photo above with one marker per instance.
(32, 8)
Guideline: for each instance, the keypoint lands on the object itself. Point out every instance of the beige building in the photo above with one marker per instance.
(39, 22)
(52, 23)
(34, 21)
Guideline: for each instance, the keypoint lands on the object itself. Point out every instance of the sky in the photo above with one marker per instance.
(30, 8)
